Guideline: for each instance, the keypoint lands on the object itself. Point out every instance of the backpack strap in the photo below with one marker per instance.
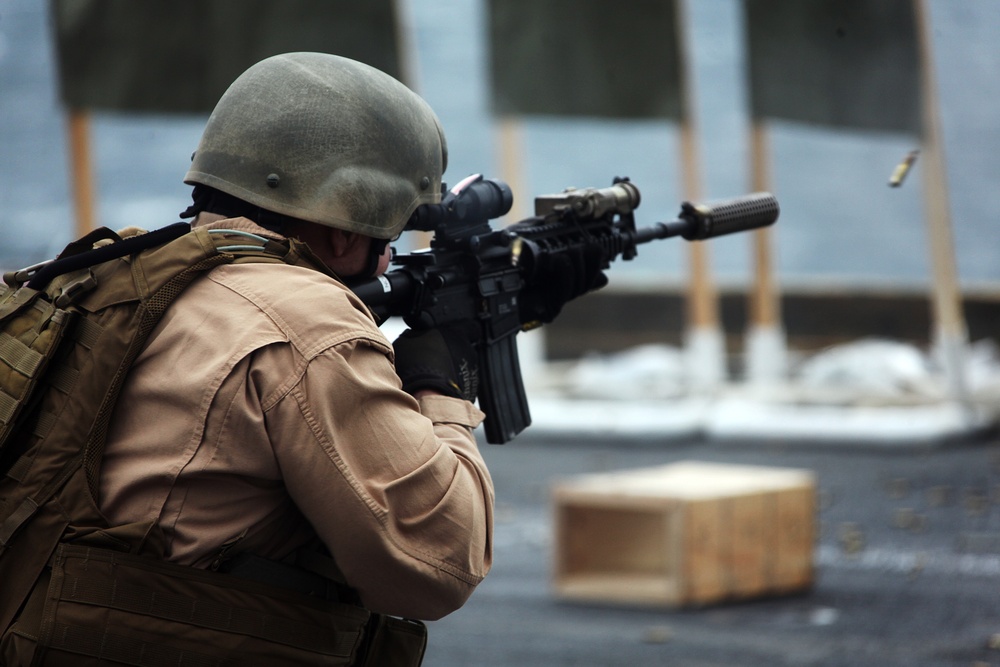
(75, 258)
(146, 319)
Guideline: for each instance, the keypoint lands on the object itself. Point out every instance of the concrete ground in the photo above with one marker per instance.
(907, 565)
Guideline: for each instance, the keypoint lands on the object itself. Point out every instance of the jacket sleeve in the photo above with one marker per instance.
(396, 488)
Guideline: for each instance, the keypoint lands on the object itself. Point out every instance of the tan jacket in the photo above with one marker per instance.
(265, 410)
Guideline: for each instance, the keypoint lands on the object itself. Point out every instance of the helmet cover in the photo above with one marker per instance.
(324, 139)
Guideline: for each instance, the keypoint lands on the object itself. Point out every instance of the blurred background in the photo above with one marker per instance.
(906, 546)
(840, 222)
(707, 74)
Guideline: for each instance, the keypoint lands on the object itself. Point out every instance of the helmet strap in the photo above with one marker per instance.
(375, 251)
(210, 200)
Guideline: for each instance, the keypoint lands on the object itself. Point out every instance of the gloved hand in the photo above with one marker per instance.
(442, 360)
(559, 278)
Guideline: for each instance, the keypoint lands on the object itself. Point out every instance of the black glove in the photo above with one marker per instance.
(561, 277)
(443, 360)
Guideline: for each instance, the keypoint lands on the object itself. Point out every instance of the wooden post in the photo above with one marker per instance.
(949, 334)
(702, 311)
(510, 156)
(408, 64)
(704, 340)
(766, 357)
(409, 67)
(78, 123)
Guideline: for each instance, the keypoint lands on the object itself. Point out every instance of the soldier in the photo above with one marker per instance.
(268, 440)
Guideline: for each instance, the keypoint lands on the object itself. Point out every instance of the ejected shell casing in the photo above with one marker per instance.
(902, 169)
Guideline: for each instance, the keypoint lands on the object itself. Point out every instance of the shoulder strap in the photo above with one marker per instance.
(81, 253)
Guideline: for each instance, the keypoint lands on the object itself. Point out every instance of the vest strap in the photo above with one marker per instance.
(9, 527)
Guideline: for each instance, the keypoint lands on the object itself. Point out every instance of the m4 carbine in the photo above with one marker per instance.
(474, 273)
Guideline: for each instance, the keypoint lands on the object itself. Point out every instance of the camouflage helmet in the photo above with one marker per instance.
(324, 139)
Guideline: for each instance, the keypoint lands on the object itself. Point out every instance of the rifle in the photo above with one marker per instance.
(472, 272)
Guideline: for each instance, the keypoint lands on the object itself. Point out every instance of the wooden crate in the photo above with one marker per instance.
(687, 533)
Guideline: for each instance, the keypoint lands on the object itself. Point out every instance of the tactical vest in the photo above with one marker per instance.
(77, 590)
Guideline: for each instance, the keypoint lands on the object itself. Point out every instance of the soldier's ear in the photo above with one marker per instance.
(344, 243)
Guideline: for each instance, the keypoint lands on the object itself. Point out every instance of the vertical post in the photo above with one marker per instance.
(703, 337)
(409, 66)
(80, 170)
(510, 155)
(765, 351)
(950, 337)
